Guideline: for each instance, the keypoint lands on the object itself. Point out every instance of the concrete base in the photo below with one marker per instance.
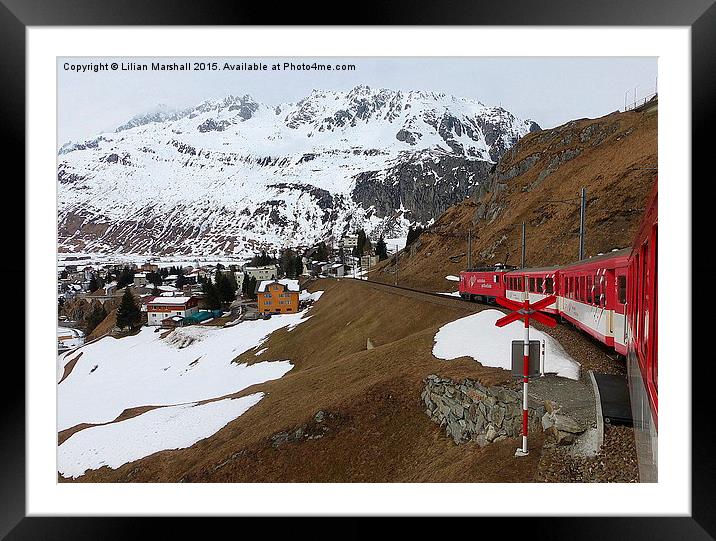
(520, 452)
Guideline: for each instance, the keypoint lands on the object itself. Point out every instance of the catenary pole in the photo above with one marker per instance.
(469, 249)
(582, 211)
(397, 264)
(524, 240)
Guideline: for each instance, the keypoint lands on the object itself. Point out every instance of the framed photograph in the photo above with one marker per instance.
(407, 269)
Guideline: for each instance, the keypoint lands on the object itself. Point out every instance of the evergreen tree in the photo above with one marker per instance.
(128, 314)
(413, 234)
(213, 300)
(126, 278)
(298, 266)
(358, 251)
(252, 288)
(63, 274)
(381, 249)
(322, 252)
(181, 281)
(154, 278)
(93, 285)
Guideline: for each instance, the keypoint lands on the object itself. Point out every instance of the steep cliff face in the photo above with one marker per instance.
(538, 181)
(234, 175)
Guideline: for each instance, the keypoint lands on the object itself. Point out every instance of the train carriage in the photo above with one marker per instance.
(642, 342)
(592, 296)
(483, 284)
(535, 283)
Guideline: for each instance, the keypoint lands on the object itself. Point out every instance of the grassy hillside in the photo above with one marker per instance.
(614, 157)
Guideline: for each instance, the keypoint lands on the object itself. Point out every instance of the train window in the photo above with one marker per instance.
(597, 291)
(653, 349)
(549, 285)
(496, 278)
(539, 285)
(532, 285)
(590, 289)
(621, 289)
(645, 300)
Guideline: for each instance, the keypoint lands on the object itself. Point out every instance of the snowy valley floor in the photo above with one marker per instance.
(358, 409)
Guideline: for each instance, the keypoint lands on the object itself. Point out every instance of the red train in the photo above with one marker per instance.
(613, 298)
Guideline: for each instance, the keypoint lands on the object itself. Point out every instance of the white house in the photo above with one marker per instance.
(140, 279)
(337, 269)
(161, 308)
(267, 272)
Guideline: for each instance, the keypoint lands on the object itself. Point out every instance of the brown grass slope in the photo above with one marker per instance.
(539, 182)
(377, 429)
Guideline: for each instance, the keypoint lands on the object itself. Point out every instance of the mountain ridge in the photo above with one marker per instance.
(234, 175)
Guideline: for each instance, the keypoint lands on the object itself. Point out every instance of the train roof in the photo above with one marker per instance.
(492, 268)
(614, 254)
(536, 269)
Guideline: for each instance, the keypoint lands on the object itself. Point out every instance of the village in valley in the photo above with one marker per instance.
(97, 297)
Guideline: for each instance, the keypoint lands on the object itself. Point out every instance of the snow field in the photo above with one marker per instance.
(476, 336)
(190, 365)
(171, 427)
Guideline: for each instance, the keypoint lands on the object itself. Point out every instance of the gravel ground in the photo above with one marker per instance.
(615, 463)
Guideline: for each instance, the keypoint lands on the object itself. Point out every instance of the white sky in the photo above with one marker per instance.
(548, 90)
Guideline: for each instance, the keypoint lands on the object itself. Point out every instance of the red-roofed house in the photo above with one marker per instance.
(161, 308)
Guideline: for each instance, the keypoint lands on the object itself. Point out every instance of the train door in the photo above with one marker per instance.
(619, 313)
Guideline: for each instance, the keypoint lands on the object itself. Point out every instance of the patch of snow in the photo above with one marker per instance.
(476, 336)
(306, 296)
(452, 278)
(453, 294)
(160, 429)
(143, 369)
(259, 352)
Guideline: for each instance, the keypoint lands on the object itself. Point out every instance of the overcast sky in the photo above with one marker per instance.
(550, 91)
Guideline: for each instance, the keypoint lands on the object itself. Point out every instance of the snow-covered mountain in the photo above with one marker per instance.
(235, 175)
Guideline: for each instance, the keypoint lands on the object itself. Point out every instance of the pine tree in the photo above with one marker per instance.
(128, 314)
(154, 278)
(252, 288)
(298, 266)
(213, 301)
(381, 249)
(93, 285)
(224, 289)
(125, 278)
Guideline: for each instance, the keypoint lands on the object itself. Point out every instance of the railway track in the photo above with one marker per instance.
(437, 298)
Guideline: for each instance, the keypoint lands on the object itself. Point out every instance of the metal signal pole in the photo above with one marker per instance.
(397, 264)
(582, 211)
(525, 384)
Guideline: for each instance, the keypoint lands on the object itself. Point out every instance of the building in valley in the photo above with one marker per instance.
(266, 272)
(161, 308)
(277, 296)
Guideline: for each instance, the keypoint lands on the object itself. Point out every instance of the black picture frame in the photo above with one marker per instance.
(700, 15)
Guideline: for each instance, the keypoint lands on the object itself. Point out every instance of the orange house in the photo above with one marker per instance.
(277, 296)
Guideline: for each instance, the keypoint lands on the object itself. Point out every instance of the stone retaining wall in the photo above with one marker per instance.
(471, 412)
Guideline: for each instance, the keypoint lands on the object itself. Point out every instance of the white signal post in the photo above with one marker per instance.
(525, 384)
(525, 311)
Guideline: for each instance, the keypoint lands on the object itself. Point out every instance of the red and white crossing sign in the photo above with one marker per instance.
(526, 311)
